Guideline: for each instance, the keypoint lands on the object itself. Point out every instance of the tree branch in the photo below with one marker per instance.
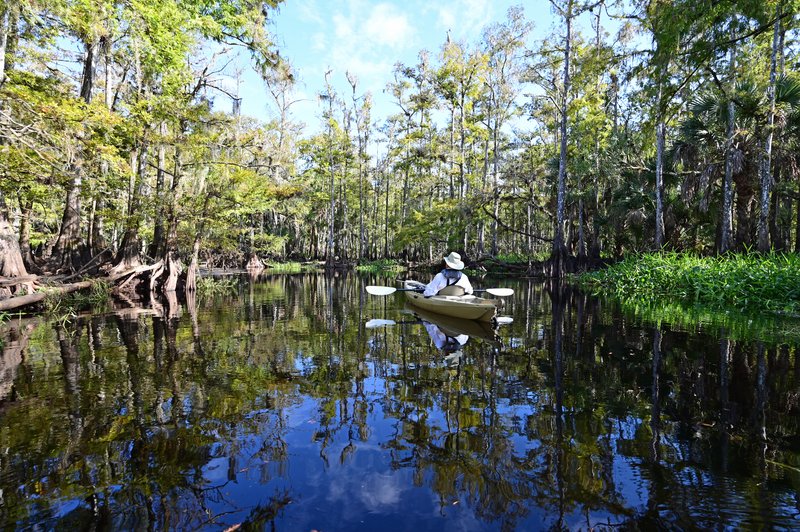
(511, 229)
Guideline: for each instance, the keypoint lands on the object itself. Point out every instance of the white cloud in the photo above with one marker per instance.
(464, 18)
(388, 27)
(309, 11)
(366, 39)
(447, 17)
(343, 29)
(319, 42)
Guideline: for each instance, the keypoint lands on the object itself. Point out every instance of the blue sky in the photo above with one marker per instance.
(367, 38)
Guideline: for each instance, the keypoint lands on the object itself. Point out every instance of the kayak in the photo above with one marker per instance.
(467, 307)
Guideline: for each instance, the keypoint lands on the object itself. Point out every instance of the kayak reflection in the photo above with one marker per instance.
(454, 327)
(450, 335)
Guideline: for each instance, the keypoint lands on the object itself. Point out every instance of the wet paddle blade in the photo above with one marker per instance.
(504, 320)
(501, 292)
(372, 324)
(381, 290)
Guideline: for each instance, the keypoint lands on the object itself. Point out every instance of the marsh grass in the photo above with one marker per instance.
(748, 283)
(64, 307)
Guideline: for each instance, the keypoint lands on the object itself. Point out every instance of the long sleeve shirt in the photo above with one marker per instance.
(440, 281)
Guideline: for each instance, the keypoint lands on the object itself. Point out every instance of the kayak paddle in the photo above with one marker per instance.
(386, 290)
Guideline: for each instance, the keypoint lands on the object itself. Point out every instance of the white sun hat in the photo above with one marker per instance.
(453, 261)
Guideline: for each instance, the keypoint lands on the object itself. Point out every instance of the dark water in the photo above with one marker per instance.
(276, 408)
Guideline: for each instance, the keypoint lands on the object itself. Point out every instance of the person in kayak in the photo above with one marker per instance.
(451, 281)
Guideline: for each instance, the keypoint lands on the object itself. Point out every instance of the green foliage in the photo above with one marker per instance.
(381, 265)
(750, 283)
(517, 258)
(468, 162)
(64, 308)
(216, 286)
(289, 267)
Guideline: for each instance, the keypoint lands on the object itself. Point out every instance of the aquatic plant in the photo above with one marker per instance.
(64, 307)
(752, 283)
(288, 267)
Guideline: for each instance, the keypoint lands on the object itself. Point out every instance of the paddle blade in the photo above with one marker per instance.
(381, 290)
(502, 292)
(371, 324)
(504, 320)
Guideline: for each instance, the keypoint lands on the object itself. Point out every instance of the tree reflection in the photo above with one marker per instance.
(226, 414)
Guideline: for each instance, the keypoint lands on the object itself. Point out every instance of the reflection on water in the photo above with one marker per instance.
(277, 406)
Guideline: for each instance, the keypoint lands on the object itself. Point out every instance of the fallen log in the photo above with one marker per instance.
(37, 297)
(29, 299)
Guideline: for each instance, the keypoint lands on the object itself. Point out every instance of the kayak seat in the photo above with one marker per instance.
(452, 290)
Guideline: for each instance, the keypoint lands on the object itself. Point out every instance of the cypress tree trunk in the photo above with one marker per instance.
(5, 27)
(386, 220)
(581, 237)
(660, 134)
(484, 179)
(128, 254)
(727, 183)
(68, 252)
(766, 163)
(745, 198)
(594, 235)
(171, 266)
(774, 214)
(68, 247)
(87, 79)
(157, 247)
(559, 248)
(11, 263)
(495, 193)
(25, 236)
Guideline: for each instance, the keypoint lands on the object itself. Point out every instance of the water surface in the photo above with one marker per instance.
(276, 407)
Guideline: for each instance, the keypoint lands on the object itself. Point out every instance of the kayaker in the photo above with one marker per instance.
(451, 281)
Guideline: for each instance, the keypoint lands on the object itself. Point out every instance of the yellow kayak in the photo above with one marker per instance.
(467, 307)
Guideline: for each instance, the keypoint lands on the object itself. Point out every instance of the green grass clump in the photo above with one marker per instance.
(752, 283)
(284, 267)
(60, 306)
(381, 265)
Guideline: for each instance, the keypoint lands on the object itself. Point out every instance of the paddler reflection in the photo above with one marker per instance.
(450, 335)
(451, 346)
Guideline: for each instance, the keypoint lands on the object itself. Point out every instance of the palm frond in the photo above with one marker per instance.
(787, 90)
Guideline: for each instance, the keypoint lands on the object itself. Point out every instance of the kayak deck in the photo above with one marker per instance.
(466, 307)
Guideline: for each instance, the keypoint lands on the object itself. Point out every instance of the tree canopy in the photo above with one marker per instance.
(650, 124)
